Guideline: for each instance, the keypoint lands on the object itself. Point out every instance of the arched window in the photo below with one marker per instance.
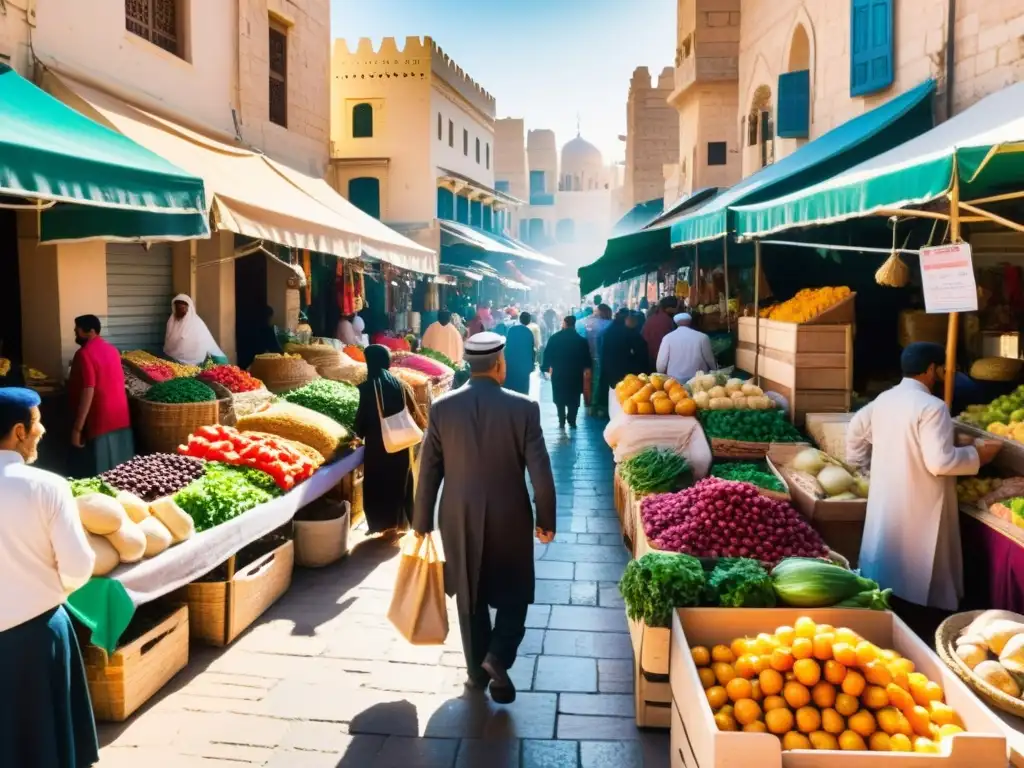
(565, 231)
(362, 121)
(364, 194)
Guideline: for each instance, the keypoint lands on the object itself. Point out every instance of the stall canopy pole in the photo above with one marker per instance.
(725, 269)
(695, 283)
(757, 309)
(954, 317)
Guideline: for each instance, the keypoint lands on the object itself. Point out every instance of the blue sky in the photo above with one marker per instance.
(543, 60)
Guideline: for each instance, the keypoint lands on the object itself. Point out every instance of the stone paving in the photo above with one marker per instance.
(323, 681)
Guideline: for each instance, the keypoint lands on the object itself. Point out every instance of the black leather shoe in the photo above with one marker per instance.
(502, 690)
(477, 682)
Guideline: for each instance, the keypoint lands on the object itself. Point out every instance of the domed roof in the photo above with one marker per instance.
(580, 154)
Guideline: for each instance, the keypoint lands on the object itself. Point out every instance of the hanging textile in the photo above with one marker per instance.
(307, 270)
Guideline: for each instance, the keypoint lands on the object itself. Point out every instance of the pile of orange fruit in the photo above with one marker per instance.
(818, 687)
(655, 394)
(807, 304)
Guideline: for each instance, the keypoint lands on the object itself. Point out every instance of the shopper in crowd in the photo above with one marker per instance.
(567, 358)
(659, 324)
(442, 337)
(911, 538)
(482, 321)
(521, 355)
(387, 482)
(101, 433)
(601, 321)
(46, 718)
(346, 331)
(685, 351)
(187, 338)
(623, 351)
(550, 318)
(538, 337)
(486, 519)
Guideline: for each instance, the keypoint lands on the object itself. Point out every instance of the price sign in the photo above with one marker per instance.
(947, 277)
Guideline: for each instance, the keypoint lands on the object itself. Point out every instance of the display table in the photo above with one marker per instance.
(106, 605)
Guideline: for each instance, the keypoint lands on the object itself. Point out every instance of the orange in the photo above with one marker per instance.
(941, 714)
(853, 683)
(725, 722)
(846, 704)
(862, 722)
(876, 673)
(823, 694)
(879, 742)
(807, 672)
(701, 656)
(823, 646)
(845, 654)
(933, 692)
(739, 688)
(824, 629)
(707, 677)
(748, 665)
(852, 741)
(686, 407)
(917, 683)
(794, 740)
(773, 702)
(779, 721)
(785, 635)
(900, 666)
(803, 648)
(919, 721)
(755, 690)
(899, 698)
(739, 647)
(898, 742)
(717, 697)
(823, 740)
(746, 711)
(949, 730)
(723, 672)
(722, 653)
(782, 659)
(847, 635)
(834, 672)
(875, 697)
(796, 695)
(630, 408)
(771, 682)
(805, 627)
(765, 643)
(889, 719)
(832, 721)
(866, 652)
(808, 720)
(755, 727)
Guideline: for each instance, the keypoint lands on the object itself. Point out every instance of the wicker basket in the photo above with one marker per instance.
(945, 646)
(349, 371)
(316, 355)
(283, 374)
(225, 403)
(322, 542)
(738, 449)
(162, 427)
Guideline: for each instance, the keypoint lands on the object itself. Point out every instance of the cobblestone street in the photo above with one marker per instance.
(323, 680)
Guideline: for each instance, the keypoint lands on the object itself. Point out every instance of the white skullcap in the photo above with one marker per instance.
(682, 317)
(482, 350)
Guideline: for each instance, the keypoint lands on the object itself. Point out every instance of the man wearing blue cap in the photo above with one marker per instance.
(46, 718)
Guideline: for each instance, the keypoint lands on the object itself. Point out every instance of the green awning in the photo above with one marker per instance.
(51, 153)
(986, 142)
(853, 142)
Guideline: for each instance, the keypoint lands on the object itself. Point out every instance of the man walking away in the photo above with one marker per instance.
(442, 337)
(659, 324)
(566, 358)
(685, 351)
(521, 354)
(101, 433)
(623, 350)
(485, 517)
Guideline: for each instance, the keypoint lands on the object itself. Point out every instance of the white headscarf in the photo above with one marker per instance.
(188, 340)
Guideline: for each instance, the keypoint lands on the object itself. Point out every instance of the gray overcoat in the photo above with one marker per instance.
(480, 441)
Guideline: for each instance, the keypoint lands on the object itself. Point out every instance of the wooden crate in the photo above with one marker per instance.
(804, 401)
(799, 356)
(652, 694)
(219, 611)
(122, 682)
(793, 337)
(837, 314)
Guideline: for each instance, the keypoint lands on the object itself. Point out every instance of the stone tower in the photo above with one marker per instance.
(652, 135)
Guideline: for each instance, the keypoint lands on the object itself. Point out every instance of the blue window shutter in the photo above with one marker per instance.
(524, 229)
(462, 209)
(364, 194)
(445, 204)
(871, 46)
(794, 117)
(502, 185)
(488, 220)
(536, 182)
(476, 216)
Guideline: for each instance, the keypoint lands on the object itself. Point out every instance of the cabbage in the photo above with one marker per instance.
(835, 480)
(811, 461)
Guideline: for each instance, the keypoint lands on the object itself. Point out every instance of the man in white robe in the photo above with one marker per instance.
(685, 351)
(912, 531)
(443, 337)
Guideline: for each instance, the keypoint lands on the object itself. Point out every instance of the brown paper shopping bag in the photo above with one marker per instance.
(418, 608)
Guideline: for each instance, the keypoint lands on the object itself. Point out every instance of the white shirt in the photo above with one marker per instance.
(684, 352)
(44, 552)
(444, 339)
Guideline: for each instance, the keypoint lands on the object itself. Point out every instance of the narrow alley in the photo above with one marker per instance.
(323, 680)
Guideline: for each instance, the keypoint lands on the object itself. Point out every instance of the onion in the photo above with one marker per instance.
(835, 480)
(809, 460)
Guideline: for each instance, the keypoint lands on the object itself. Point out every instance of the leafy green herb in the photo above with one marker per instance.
(91, 485)
(740, 583)
(334, 399)
(224, 493)
(754, 472)
(659, 582)
(751, 426)
(180, 391)
(656, 470)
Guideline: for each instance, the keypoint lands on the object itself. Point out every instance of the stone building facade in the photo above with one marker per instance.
(652, 135)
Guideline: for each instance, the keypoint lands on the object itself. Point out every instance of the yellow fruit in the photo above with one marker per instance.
(717, 697)
(676, 394)
(805, 627)
(746, 711)
(785, 635)
(919, 721)
(707, 677)
(782, 659)
(847, 635)
(645, 409)
(794, 740)
(779, 721)
(685, 406)
(941, 714)
(900, 666)
(846, 704)
(739, 688)
(851, 741)
(808, 720)
(853, 683)
(879, 742)
(875, 697)
(755, 727)
(835, 672)
(806, 304)
(823, 740)
(862, 722)
(803, 648)
(773, 702)
(824, 629)
(876, 673)
(747, 666)
(807, 672)
(663, 406)
(832, 721)
(899, 698)
(643, 395)
(933, 692)
(657, 381)
(866, 652)
(823, 694)
(771, 682)
(899, 742)
(723, 672)
(796, 695)
(927, 746)
(726, 709)
(629, 408)
(845, 654)
(823, 646)
(700, 655)
(949, 730)
(889, 720)
(722, 653)
(725, 722)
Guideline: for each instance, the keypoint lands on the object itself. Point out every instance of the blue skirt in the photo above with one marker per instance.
(46, 718)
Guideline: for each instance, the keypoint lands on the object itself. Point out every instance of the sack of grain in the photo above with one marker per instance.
(293, 422)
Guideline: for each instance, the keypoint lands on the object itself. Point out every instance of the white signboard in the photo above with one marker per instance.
(947, 277)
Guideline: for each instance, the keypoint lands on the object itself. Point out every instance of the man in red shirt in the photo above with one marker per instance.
(659, 325)
(101, 434)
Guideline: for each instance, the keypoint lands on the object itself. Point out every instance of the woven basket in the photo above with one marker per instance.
(322, 542)
(350, 372)
(316, 354)
(162, 427)
(945, 646)
(738, 449)
(283, 374)
(225, 403)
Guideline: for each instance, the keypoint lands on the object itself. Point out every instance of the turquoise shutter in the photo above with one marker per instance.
(476, 216)
(536, 182)
(364, 194)
(524, 229)
(445, 204)
(362, 121)
(794, 105)
(462, 209)
(871, 46)
(488, 223)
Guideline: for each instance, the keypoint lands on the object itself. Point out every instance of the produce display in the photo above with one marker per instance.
(717, 392)
(719, 518)
(753, 472)
(218, 443)
(180, 391)
(816, 686)
(356, 353)
(123, 530)
(995, 369)
(807, 304)
(654, 394)
(391, 342)
(656, 470)
(657, 583)
(826, 478)
(148, 362)
(739, 583)
(334, 399)
(225, 492)
(440, 357)
(154, 475)
(90, 485)
(809, 583)
(1011, 510)
(972, 489)
(1004, 416)
(424, 365)
(231, 377)
(749, 426)
(992, 647)
(294, 422)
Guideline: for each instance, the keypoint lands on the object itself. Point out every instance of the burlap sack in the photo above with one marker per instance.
(418, 610)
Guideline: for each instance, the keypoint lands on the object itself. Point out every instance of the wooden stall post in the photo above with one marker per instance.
(757, 309)
(954, 317)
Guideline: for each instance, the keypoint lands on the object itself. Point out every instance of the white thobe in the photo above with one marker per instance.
(684, 352)
(444, 339)
(912, 531)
